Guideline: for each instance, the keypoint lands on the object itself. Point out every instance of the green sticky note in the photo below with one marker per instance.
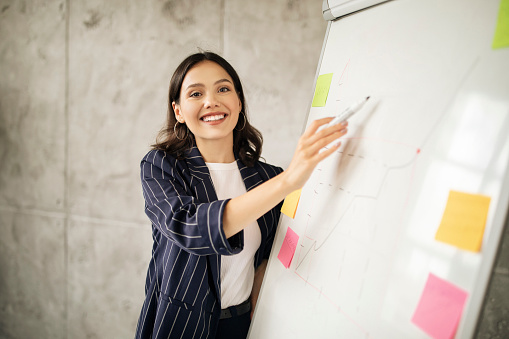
(322, 90)
(501, 38)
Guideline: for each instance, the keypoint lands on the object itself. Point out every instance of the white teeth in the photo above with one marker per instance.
(213, 117)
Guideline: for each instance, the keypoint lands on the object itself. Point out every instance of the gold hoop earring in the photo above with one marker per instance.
(176, 134)
(245, 119)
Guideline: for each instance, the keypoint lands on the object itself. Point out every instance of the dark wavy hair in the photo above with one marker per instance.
(247, 140)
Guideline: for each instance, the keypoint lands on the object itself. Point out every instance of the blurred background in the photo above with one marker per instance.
(83, 91)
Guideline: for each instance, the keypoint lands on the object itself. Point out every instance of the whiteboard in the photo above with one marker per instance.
(437, 120)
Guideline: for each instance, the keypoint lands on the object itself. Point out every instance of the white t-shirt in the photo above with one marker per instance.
(237, 271)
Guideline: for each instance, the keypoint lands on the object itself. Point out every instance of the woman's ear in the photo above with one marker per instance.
(178, 114)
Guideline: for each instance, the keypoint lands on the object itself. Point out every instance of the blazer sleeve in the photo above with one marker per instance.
(194, 226)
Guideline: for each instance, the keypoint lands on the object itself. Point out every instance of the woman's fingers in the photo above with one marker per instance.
(312, 135)
(313, 127)
(328, 151)
(310, 150)
(314, 144)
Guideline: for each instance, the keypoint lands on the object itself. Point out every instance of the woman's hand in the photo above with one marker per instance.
(308, 155)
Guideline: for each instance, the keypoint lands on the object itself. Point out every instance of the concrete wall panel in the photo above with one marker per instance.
(107, 270)
(32, 276)
(32, 101)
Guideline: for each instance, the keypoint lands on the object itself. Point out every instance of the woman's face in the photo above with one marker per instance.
(209, 104)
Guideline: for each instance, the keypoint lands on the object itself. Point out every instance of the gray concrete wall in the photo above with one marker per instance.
(82, 95)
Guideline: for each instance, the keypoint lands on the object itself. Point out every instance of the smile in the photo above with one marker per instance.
(214, 117)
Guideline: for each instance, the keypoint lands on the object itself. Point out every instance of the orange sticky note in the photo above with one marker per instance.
(464, 220)
(291, 202)
(287, 250)
(440, 307)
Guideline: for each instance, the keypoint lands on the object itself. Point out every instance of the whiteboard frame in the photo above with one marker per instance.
(334, 9)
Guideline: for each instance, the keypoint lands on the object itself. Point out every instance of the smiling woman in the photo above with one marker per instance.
(210, 107)
(213, 205)
(247, 140)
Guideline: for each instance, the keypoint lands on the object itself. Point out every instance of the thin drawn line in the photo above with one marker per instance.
(341, 77)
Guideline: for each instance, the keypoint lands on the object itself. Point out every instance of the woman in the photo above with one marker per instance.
(213, 205)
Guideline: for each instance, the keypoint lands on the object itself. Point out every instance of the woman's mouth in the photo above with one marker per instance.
(214, 117)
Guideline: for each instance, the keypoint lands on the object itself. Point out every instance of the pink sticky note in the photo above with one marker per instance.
(288, 248)
(439, 310)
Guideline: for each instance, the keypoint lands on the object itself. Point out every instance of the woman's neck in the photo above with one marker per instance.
(216, 152)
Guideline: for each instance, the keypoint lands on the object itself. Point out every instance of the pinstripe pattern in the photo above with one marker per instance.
(183, 280)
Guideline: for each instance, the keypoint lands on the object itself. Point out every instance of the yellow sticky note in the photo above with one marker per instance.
(322, 90)
(464, 220)
(501, 38)
(290, 204)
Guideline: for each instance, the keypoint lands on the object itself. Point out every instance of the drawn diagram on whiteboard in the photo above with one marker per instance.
(362, 232)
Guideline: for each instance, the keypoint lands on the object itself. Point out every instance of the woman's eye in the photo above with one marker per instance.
(224, 89)
(195, 94)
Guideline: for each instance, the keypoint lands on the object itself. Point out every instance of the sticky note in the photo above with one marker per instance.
(464, 220)
(439, 310)
(501, 38)
(322, 90)
(287, 250)
(291, 202)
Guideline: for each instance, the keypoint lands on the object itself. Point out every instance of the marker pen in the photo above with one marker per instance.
(346, 114)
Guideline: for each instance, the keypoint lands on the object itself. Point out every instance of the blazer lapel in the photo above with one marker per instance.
(201, 181)
(250, 175)
(201, 184)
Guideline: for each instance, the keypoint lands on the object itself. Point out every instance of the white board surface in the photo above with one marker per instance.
(437, 120)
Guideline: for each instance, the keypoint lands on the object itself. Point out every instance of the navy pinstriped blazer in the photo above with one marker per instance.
(183, 287)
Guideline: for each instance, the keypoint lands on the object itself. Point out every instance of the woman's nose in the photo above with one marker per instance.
(211, 101)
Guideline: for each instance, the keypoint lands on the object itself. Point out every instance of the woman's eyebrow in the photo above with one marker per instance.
(222, 80)
(195, 85)
(215, 83)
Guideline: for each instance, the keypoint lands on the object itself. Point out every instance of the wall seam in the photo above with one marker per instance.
(221, 27)
(66, 174)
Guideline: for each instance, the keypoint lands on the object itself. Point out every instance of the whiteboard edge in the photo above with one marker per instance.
(490, 253)
(272, 252)
(317, 73)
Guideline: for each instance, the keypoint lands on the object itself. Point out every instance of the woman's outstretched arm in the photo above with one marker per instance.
(244, 209)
